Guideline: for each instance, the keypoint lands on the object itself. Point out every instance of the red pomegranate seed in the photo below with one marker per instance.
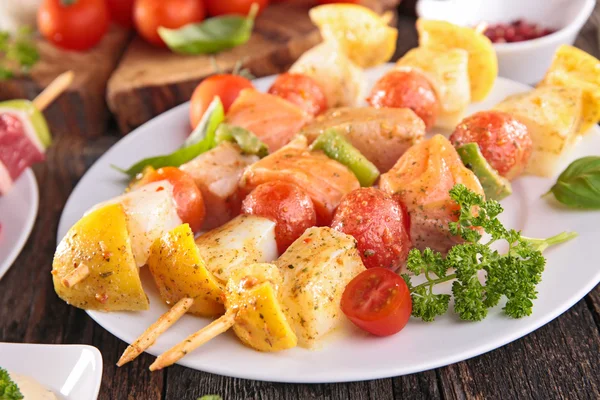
(517, 31)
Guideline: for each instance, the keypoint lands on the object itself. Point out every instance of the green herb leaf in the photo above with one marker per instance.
(8, 388)
(210, 397)
(249, 143)
(211, 119)
(17, 52)
(579, 185)
(212, 35)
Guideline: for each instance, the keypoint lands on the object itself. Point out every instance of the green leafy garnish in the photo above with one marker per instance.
(212, 35)
(579, 185)
(249, 143)
(210, 397)
(17, 53)
(8, 388)
(513, 275)
(201, 140)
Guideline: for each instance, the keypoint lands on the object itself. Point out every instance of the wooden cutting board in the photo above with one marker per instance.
(149, 81)
(82, 109)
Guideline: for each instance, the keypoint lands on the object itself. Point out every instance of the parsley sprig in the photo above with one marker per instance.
(17, 52)
(513, 275)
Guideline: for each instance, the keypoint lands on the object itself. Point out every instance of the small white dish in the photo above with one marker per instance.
(18, 210)
(526, 61)
(72, 372)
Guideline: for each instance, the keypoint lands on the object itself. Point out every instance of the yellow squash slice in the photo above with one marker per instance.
(99, 242)
(179, 272)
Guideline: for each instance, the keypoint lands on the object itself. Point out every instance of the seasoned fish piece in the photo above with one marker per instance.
(380, 134)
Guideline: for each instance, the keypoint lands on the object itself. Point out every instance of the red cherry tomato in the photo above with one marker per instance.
(242, 7)
(121, 11)
(286, 204)
(379, 225)
(301, 90)
(190, 205)
(226, 86)
(406, 89)
(377, 301)
(504, 142)
(75, 25)
(149, 15)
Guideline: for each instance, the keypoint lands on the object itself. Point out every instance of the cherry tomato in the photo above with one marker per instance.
(301, 90)
(286, 204)
(226, 86)
(406, 89)
(378, 301)
(379, 225)
(190, 205)
(149, 15)
(504, 142)
(121, 11)
(242, 7)
(74, 24)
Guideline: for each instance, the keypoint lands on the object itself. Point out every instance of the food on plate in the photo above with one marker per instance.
(121, 11)
(73, 25)
(285, 203)
(100, 244)
(503, 140)
(483, 64)
(274, 120)
(247, 141)
(341, 80)
(18, 387)
(240, 7)
(362, 35)
(574, 68)
(336, 147)
(422, 179)
(552, 116)
(325, 180)
(513, 275)
(180, 272)
(448, 72)
(378, 301)
(406, 89)
(226, 86)
(518, 30)
(495, 186)
(578, 185)
(382, 135)
(149, 15)
(301, 90)
(379, 224)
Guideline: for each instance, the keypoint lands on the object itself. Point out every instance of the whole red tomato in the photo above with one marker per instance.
(73, 24)
(149, 15)
(223, 7)
(121, 11)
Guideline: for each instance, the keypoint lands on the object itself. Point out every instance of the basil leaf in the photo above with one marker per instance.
(200, 141)
(249, 143)
(210, 36)
(579, 185)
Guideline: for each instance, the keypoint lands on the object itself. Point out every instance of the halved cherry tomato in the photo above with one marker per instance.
(190, 205)
(73, 24)
(121, 11)
(226, 86)
(378, 301)
(242, 7)
(149, 15)
(285, 203)
(301, 90)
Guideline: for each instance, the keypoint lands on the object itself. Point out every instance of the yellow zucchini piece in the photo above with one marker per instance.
(552, 116)
(179, 271)
(100, 241)
(260, 322)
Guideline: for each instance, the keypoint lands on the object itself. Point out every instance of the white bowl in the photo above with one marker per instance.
(526, 61)
(72, 372)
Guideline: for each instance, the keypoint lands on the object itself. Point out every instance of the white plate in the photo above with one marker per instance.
(350, 355)
(18, 210)
(72, 372)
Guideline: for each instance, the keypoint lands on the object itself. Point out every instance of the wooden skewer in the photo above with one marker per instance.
(481, 27)
(148, 338)
(54, 89)
(195, 340)
(77, 275)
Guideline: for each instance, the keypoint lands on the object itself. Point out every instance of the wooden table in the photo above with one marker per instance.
(559, 360)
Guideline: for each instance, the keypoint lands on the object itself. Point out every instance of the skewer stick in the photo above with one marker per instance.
(195, 340)
(481, 27)
(54, 89)
(148, 338)
(77, 275)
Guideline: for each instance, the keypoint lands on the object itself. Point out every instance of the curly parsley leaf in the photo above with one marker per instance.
(8, 388)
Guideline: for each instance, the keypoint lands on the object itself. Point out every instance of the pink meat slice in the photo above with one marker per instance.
(17, 150)
(5, 180)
